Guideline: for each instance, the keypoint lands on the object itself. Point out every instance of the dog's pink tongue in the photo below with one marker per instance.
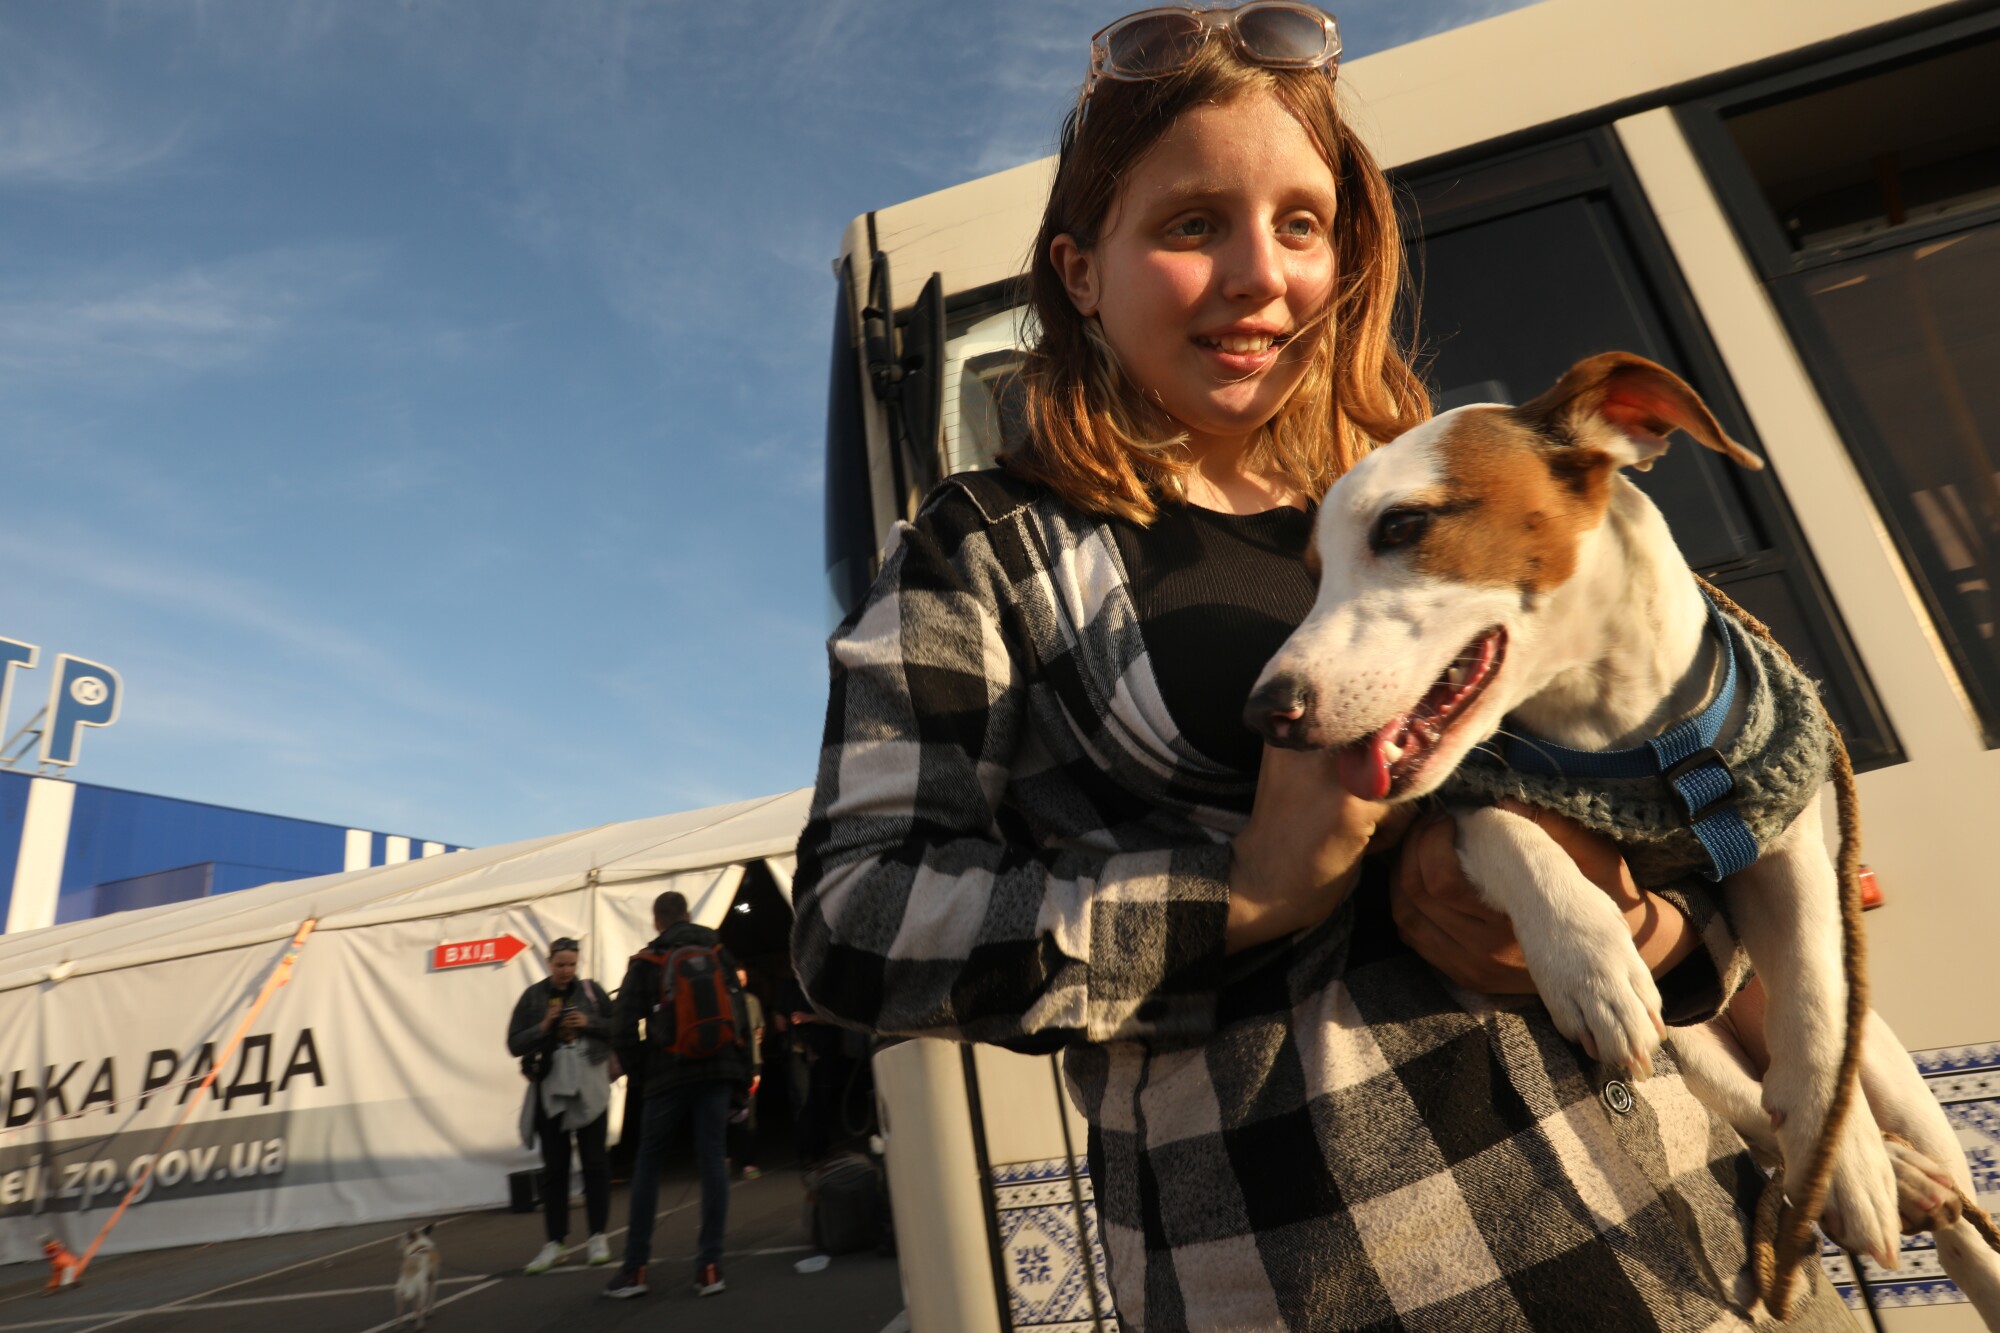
(1364, 769)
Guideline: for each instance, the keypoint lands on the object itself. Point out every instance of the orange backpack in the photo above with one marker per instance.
(695, 1017)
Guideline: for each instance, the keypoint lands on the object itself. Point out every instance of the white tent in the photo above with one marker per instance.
(373, 1084)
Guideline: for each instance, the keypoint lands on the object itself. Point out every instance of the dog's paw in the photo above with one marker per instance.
(1605, 1000)
(1862, 1211)
(1861, 1203)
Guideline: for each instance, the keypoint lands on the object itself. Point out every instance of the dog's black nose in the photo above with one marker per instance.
(1277, 711)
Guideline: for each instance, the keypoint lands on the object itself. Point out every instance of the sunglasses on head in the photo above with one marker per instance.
(1276, 34)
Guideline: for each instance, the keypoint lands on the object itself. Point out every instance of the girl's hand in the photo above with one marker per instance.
(1300, 854)
(1440, 914)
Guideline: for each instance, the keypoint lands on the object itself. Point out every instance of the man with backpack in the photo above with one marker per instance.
(693, 1056)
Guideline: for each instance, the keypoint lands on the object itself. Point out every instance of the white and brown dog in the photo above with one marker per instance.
(1493, 564)
(417, 1280)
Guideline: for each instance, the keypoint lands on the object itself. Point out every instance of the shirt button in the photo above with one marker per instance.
(1618, 1097)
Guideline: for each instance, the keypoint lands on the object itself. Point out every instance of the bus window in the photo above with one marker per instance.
(1868, 193)
(982, 413)
(1906, 146)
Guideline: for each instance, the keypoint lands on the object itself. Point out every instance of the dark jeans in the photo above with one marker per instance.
(555, 1175)
(813, 1130)
(706, 1104)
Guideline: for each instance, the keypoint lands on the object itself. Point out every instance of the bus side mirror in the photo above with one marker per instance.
(923, 386)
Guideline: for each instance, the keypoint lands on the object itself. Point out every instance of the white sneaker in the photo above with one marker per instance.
(546, 1258)
(598, 1251)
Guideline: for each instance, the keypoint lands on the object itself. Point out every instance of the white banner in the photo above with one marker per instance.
(375, 1085)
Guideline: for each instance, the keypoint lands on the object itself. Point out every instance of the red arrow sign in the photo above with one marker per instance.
(474, 953)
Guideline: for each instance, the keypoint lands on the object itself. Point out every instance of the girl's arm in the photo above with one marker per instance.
(1745, 1017)
(921, 906)
(1685, 941)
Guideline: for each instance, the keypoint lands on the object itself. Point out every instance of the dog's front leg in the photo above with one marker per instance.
(1576, 943)
(1786, 909)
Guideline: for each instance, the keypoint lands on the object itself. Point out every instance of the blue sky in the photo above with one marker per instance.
(420, 404)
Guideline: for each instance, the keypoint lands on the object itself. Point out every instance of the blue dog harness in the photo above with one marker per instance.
(1684, 756)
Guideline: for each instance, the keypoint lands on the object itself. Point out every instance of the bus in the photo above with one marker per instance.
(1794, 204)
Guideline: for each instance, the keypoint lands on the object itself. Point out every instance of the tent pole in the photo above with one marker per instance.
(596, 926)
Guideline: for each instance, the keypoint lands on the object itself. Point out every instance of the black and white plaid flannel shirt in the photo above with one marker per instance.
(1011, 843)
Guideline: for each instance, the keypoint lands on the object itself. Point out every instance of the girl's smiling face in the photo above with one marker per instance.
(1216, 250)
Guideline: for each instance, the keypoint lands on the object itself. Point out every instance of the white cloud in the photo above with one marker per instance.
(53, 141)
(59, 125)
(95, 568)
(113, 326)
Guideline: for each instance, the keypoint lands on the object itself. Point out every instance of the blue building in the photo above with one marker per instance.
(71, 850)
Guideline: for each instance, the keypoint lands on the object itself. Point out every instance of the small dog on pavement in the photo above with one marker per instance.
(416, 1283)
(1493, 565)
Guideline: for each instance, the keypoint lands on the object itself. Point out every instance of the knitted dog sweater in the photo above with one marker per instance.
(1779, 756)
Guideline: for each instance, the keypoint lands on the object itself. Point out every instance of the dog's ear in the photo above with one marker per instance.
(1643, 403)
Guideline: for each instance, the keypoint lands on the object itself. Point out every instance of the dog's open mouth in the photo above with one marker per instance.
(1388, 762)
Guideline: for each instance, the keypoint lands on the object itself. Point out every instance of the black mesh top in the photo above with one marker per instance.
(1216, 595)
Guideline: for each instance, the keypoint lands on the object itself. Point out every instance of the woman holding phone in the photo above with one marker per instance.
(561, 1030)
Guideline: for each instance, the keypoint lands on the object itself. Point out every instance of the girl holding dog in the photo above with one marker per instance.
(1040, 821)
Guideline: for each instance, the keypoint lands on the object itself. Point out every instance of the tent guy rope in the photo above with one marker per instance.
(280, 976)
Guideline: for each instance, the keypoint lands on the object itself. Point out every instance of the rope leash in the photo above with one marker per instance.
(1782, 1238)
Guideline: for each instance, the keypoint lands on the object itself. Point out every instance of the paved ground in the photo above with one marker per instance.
(340, 1281)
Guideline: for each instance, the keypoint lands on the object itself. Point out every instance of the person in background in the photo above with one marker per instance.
(676, 1089)
(743, 1119)
(813, 1048)
(561, 1030)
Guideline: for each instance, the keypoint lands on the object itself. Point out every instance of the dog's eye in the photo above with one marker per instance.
(1398, 527)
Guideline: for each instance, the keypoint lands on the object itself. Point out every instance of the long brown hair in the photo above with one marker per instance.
(1093, 438)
